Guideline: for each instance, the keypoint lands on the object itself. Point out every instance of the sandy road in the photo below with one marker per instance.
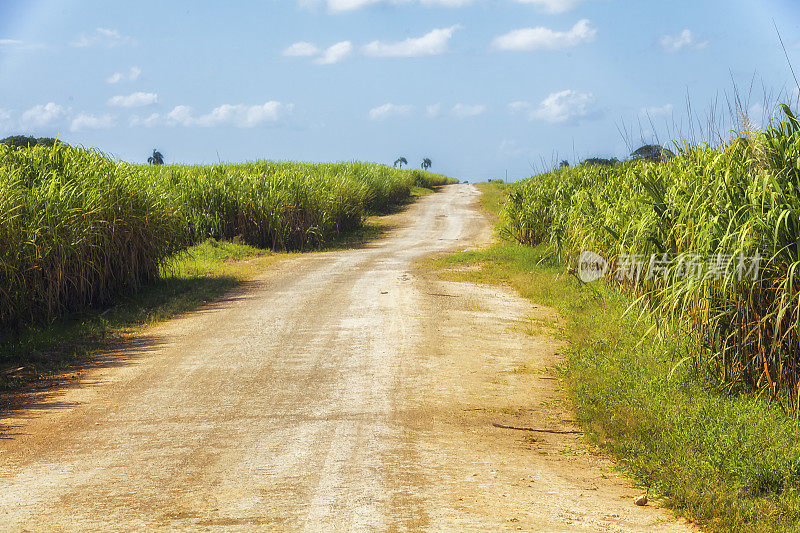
(345, 390)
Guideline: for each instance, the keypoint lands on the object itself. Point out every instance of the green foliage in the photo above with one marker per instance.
(21, 141)
(653, 153)
(77, 227)
(740, 199)
(157, 158)
(599, 161)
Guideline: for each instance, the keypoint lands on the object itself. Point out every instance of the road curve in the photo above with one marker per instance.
(346, 390)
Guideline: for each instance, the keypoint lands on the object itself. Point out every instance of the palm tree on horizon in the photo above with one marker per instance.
(426, 163)
(157, 158)
(400, 161)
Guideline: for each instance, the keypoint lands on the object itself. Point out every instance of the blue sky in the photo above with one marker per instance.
(482, 87)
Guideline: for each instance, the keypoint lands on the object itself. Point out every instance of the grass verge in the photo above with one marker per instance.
(189, 279)
(728, 462)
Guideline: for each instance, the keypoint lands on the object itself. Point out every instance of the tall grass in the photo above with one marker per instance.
(76, 227)
(715, 203)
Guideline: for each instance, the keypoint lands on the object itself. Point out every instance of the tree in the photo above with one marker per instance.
(157, 158)
(652, 152)
(21, 141)
(600, 161)
(426, 163)
(400, 161)
(564, 164)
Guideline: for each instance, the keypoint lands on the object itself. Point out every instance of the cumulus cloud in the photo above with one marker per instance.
(542, 38)
(683, 41)
(335, 53)
(349, 5)
(552, 6)
(14, 44)
(432, 43)
(180, 114)
(244, 116)
(466, 110)
(301, 49)
(389, 110)
(340, 6)
(132, 75)
(102, 37)
(560, 107)
(84, 122)
(237, 115)
(150, 121)
(433, 110)
(138, 99)
(41, 116)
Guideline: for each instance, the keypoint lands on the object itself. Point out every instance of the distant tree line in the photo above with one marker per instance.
(648, 152)
(22, 141)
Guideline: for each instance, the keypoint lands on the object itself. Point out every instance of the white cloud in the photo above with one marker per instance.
(389, 110)
(148, 122)
(683, 41)
(552, 6)
(657, 111)
(445, 3)
(339, 6)
(85, 122)
(433, 110)
(138, 99)
(432, 43)
(238, 115)
(102, 37)
(335, 53)
(349, 5)
(542, 38)
(180, 114)
(42, 115)
(465, 110)
(243, 116)
(19, 45)
(301, 49)
(558, 107)
(132, 75)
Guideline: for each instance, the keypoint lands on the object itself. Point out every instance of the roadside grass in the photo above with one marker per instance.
(417, 191)
(189, 279)
(492, 197)
(729, 462)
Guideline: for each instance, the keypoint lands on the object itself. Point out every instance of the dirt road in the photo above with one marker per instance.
(346, 390)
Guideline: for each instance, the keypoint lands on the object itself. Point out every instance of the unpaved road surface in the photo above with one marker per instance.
(346, 390)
